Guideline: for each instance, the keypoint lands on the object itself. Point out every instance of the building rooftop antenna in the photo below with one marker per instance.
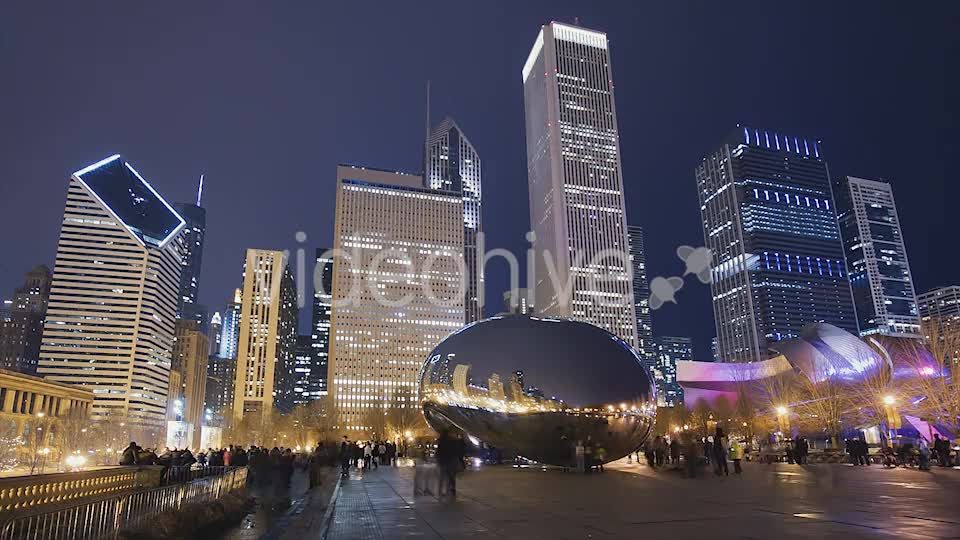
(200, 190)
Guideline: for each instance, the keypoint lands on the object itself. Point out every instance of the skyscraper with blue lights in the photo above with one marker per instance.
(769, 218)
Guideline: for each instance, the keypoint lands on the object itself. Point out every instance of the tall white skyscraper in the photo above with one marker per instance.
(452, 164)
(397, 288)
(877, 264)
(576, 186)
(268, 336)
(113, 301)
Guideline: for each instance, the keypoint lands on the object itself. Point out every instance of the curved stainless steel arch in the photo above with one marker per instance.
(539, 386)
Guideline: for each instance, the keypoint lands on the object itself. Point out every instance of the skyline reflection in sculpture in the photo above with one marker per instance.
(538, 386)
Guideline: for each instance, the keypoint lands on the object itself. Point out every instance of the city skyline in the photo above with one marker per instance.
(872, 158)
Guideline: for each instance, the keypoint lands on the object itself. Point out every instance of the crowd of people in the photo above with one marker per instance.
(365, 455)
(917, 453)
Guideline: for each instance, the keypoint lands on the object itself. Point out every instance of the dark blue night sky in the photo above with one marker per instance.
(266, 99)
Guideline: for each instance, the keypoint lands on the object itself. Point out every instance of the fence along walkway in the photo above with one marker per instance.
(105, 518)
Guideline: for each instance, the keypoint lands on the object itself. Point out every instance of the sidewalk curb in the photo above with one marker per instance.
(328, 514)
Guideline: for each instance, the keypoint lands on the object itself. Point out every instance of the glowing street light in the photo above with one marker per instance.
(781, 410)
(889, 400)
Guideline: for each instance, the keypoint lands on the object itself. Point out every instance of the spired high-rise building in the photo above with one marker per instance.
(641, 296)
(452, 164)
(320, 335)
(769, 218)
(877, 264)
(575, 181)
(193, 235)
(119, 244)
(268, 336)
(397, 295)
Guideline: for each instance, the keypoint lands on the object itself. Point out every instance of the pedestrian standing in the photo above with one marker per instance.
(736, 455)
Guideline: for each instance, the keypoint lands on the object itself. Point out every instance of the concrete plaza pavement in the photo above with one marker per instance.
(632, 501)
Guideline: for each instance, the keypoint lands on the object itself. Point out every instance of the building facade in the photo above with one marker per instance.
(119, 243)
(641, 295)
(268, 336)
(24, 398)
(21, 323)
(218, 394)
(670, 350)
(190, 356)
(452, 164)
(877, 263)
(320, 335)
(769, 218)
(575, 181)
(397, 289)
(940, 310)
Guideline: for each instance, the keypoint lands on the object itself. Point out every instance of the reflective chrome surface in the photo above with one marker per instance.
(538, 386)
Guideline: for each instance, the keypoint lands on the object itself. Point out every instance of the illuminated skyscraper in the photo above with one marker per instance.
(230, 327)
(268, 335)
(769, 218)
(399, 293)
(641, 295)
(301, 371)
(670, 349)
(940, 311)
(877, 262)
(320, 336)
(190, 352)
(452, 164)
(21, 325)
(193, 235)
(575, 181)
(216, 330)
(119, 244)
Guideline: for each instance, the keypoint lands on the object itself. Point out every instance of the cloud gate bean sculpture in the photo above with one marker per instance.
(539, 386)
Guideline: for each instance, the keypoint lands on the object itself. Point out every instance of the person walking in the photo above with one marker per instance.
(675, 450)
(924, 451)
(942, 448)
(450, 451)
(367, 455)
(580, 454)
(346, 455)
(720, 449)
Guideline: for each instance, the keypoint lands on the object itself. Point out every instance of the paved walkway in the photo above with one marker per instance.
(631, 501)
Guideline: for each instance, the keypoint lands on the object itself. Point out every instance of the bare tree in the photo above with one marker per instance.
(10, 442)
(876, 385)
(404, 416)
(821, 401)
(936, 390)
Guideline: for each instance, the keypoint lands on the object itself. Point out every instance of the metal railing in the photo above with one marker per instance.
(107, 517)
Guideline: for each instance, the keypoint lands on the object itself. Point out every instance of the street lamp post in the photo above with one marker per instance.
(893, 418)
(783, 420)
